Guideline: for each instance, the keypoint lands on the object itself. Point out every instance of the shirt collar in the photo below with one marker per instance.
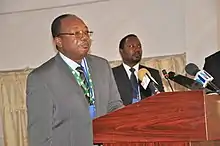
(136, 67)
(72, 64)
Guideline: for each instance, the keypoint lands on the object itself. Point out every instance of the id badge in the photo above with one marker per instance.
(135, 100)
(92, 111)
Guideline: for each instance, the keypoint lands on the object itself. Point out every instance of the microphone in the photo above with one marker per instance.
(184, 81)
(148, 81)
(202, 77)
(166, 76)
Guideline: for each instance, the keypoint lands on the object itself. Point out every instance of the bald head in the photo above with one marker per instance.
(56, 24)
(72, 24)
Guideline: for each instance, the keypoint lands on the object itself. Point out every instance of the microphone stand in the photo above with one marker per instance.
(217, 90)
(166, 76)
(170, 84)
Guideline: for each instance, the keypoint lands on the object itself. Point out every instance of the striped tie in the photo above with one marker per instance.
(83, 78)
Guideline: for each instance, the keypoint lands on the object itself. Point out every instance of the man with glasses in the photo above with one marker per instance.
(129, 87)
(68, 91)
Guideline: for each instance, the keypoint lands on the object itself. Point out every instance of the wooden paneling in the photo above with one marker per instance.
(174, 118)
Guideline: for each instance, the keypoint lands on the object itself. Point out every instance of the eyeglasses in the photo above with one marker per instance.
(78, 34)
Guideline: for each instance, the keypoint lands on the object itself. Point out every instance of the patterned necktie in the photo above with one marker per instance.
(134, 83)
(83, 77)
(92, 109)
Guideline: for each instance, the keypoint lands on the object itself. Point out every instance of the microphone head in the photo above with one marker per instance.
(165, 74)
(142, 72)
(192, 69)
(171, 75)
(184, 81)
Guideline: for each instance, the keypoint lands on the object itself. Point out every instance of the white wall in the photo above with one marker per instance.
(201, 29)
(9, 6)
(164, 27)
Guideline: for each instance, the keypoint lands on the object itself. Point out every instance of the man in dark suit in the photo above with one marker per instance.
(66, 92)
(131, 52)
(212, 66)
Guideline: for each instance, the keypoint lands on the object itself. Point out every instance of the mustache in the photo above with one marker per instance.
(85, 42)
(137, 53)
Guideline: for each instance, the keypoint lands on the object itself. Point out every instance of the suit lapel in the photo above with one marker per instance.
(64, 68)
(125, 77)
(95, 78)
(126, 83)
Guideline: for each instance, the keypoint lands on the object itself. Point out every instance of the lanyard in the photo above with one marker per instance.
(88, 91)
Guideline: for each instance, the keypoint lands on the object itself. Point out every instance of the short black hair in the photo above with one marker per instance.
(122, 42)
(56, 24)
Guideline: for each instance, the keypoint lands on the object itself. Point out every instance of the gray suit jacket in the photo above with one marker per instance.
(57, 109)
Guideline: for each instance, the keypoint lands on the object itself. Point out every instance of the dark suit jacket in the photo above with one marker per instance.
(124, 85)
(212, 66)
(58, 113)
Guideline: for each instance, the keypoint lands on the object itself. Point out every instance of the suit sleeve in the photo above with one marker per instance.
(207, 66)
(210, 67)
(39, 110)
(115, 101)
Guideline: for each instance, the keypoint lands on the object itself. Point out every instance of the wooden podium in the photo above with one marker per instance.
(167, 119)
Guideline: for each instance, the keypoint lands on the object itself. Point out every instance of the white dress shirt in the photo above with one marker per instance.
(127, 69)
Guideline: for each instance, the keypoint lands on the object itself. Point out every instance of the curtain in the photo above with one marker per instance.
(13, 103)
(13, 107)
